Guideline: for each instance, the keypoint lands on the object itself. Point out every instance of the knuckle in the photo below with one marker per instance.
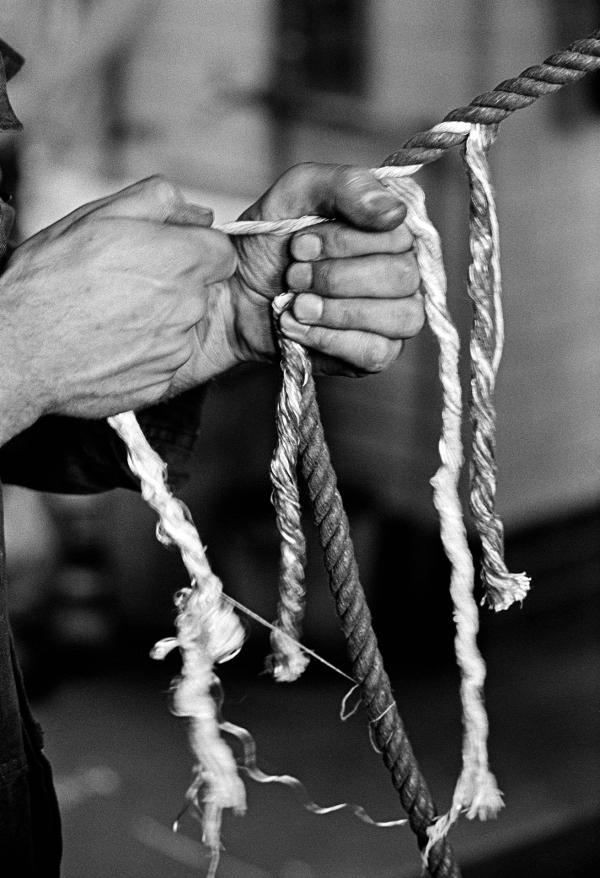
(229, 258)
(335, 237)
(298, 176)
(392, 271)
(344, 176)
(162, 189)
(223, 252)
(408, 271)
(322, 338)
(416, 315)
(343, 316)
(402, 238)
(325, 277)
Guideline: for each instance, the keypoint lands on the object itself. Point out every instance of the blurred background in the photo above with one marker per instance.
(223, 95)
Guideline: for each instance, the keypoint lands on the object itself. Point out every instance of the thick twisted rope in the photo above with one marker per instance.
(388, 730)
(492, 107)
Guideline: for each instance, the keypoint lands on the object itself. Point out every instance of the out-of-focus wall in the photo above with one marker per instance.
(193, 94)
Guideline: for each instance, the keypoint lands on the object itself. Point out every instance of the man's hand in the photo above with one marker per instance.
(102, 311)
(357, 278)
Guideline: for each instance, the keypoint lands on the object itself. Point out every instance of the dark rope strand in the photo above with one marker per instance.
(492, 107)
(367, 664)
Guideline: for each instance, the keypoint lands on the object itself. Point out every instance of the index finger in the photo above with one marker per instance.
(335, 240)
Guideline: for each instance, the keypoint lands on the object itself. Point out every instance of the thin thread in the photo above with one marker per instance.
(345, 714)
(249, 764)
(382, 714)
(252, 615)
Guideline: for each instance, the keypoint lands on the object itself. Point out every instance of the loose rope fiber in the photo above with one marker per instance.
(207, 630)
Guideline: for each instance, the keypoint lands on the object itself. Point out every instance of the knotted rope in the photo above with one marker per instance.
(205, 630)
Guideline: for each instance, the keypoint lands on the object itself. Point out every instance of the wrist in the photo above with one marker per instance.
(16, 411)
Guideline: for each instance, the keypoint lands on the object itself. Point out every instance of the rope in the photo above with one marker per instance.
(492, 107)
(207, 630)
(487, 337)
(288, 661)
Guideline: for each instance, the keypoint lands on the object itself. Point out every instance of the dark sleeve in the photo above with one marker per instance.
(77, 456)
(10, 63)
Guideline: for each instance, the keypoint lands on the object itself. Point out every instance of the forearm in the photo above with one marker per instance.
(77, 456)
(17, 413)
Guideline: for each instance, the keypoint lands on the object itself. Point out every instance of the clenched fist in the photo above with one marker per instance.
(356, 277)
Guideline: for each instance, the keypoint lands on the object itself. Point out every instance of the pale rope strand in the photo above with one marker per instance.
(208, 631)
(502, 588)
(476, 790)
(289, 226)
(288, 661)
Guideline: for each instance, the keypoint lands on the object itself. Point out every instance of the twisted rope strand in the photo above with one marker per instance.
(502, 588)
(492, 107)
(208, 631)
(288, 661)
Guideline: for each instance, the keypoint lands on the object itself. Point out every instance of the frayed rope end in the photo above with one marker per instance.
(476, 795)
(288, 661)
(504, 589)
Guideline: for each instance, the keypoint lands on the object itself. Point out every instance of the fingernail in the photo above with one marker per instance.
(299, 276)
(308, 308)
(291, 327)
(386, 203)
(193, 214)
(396, 213)
(306, 246)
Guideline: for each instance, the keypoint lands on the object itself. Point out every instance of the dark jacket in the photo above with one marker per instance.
(72, 456)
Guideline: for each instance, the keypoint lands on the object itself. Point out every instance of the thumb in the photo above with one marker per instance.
(334, 191)
(155, 198)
